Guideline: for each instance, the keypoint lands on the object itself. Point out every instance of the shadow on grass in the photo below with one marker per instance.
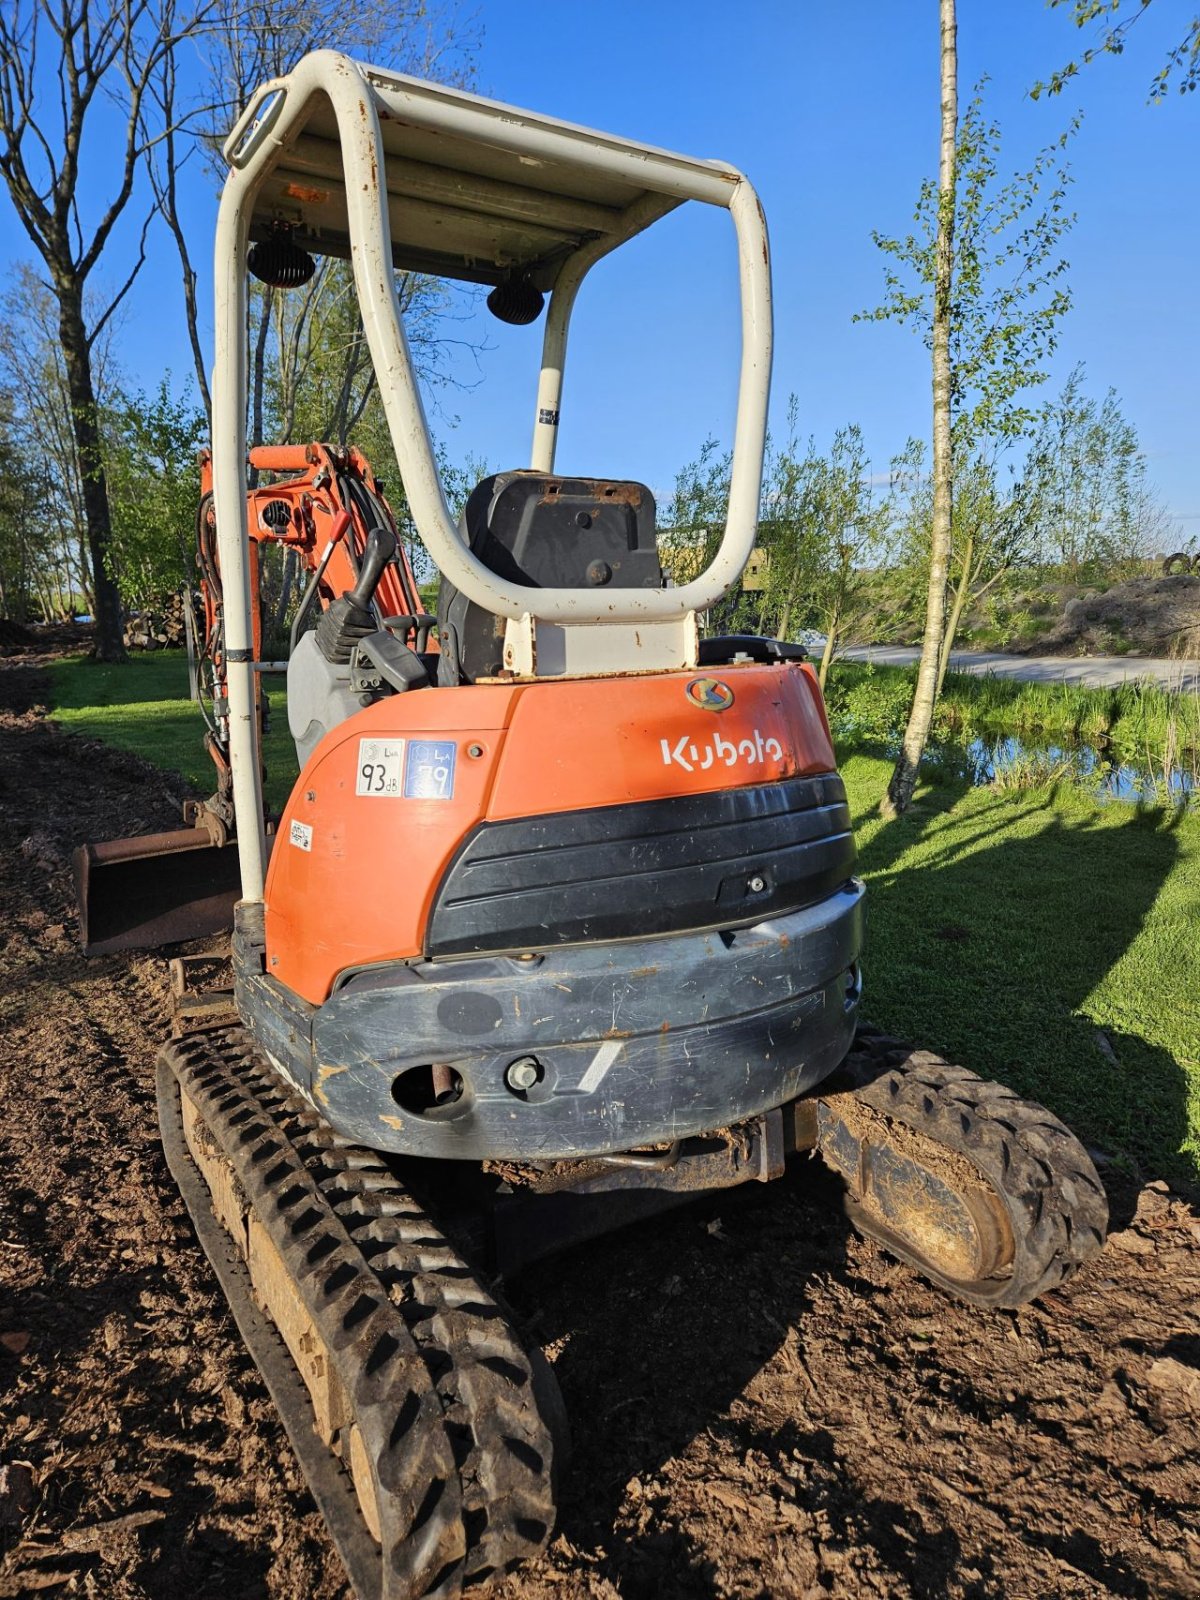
(1043, 940)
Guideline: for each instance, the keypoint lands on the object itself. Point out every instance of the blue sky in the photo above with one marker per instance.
(832, 111)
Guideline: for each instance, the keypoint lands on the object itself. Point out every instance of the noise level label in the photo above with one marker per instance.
(429, 770)
(379, 768)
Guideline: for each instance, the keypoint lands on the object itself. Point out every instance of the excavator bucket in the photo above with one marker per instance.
(154, 889)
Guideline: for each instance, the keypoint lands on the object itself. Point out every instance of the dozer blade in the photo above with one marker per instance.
(155, 889)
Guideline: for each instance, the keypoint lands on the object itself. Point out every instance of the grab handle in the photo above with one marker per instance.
(241, 145)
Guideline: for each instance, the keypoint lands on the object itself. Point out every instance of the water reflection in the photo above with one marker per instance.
(1100, 770)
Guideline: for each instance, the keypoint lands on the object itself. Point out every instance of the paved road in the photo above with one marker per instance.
(1103, 672)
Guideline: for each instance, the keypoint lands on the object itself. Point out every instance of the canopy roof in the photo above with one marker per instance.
(475, 188)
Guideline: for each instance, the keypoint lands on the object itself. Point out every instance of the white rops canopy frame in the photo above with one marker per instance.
(393, 172)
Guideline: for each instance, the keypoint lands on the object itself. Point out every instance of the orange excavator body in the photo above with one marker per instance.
(345, 887)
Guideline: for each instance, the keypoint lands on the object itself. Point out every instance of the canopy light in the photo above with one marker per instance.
(278, 260)
(516, 300)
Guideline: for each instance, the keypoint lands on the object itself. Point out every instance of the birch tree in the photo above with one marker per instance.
(982, 280)
(1180, 69)
(916, 734)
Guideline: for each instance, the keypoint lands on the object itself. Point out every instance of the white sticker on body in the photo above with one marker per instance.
(379, 768)
(300, 834)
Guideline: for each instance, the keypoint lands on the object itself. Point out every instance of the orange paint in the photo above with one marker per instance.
(358, 884)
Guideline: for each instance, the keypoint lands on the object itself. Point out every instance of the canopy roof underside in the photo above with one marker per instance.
(466, 198)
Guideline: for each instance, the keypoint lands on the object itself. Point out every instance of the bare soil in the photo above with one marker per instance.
(1149, 615)
(1152, 616)
(762, 1404)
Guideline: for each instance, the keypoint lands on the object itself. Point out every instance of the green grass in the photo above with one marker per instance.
(1006, 930)
(143, 707)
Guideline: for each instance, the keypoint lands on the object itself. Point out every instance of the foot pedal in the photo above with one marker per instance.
(202, 993)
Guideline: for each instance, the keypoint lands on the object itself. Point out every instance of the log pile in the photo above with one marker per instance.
(159, 629)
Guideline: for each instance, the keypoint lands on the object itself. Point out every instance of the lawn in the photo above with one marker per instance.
(1041, 938)
(1050, 941)
(143, 707)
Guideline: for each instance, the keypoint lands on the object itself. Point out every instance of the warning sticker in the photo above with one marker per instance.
(379, 764)
(300, 834)
(429, 770)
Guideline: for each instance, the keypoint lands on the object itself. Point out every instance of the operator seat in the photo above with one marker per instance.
(543, 532)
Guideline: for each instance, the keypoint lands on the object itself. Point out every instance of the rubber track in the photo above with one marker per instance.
(1056, 1204)
(440, 1386)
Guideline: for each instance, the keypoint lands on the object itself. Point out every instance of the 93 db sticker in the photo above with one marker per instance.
(429, 770)
(300, 834)
(379, 764)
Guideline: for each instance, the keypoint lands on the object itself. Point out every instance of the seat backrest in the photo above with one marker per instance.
(546, 533)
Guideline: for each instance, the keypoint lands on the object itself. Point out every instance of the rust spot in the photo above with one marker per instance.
(392, 1122)
(301, 191)
(617, 494)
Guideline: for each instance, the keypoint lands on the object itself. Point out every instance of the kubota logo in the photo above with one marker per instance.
(717, 750)
(710, 694)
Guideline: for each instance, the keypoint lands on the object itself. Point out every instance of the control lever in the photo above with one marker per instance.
(379, 550)
(349, 619)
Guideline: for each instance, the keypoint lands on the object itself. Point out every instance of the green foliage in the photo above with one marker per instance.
(1085, 495)
(151, 446)
(1149, 726)
(819, 524)
(868, 705)
(1009, 277)
(1009, 296)
(1182, 62)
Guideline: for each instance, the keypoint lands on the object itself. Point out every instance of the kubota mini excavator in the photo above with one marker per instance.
(560, 924)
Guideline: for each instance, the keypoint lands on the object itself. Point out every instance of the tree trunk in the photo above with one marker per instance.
(957, 607)
(904, 776)
(826, 661)
(85, 425)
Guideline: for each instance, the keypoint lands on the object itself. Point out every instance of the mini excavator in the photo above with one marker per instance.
(559, 925)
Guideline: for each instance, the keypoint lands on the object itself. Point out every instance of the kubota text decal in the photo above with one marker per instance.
(717, 751)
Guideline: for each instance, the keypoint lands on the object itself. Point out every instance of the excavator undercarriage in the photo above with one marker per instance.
(431, 1435)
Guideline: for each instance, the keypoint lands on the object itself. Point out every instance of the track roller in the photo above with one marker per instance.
(428, 1434)
(986, 1194)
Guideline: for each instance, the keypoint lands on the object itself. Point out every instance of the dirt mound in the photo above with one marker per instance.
(762, 1404)
(1145, 616)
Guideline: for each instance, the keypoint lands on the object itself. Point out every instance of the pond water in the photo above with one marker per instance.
(1100, 770)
